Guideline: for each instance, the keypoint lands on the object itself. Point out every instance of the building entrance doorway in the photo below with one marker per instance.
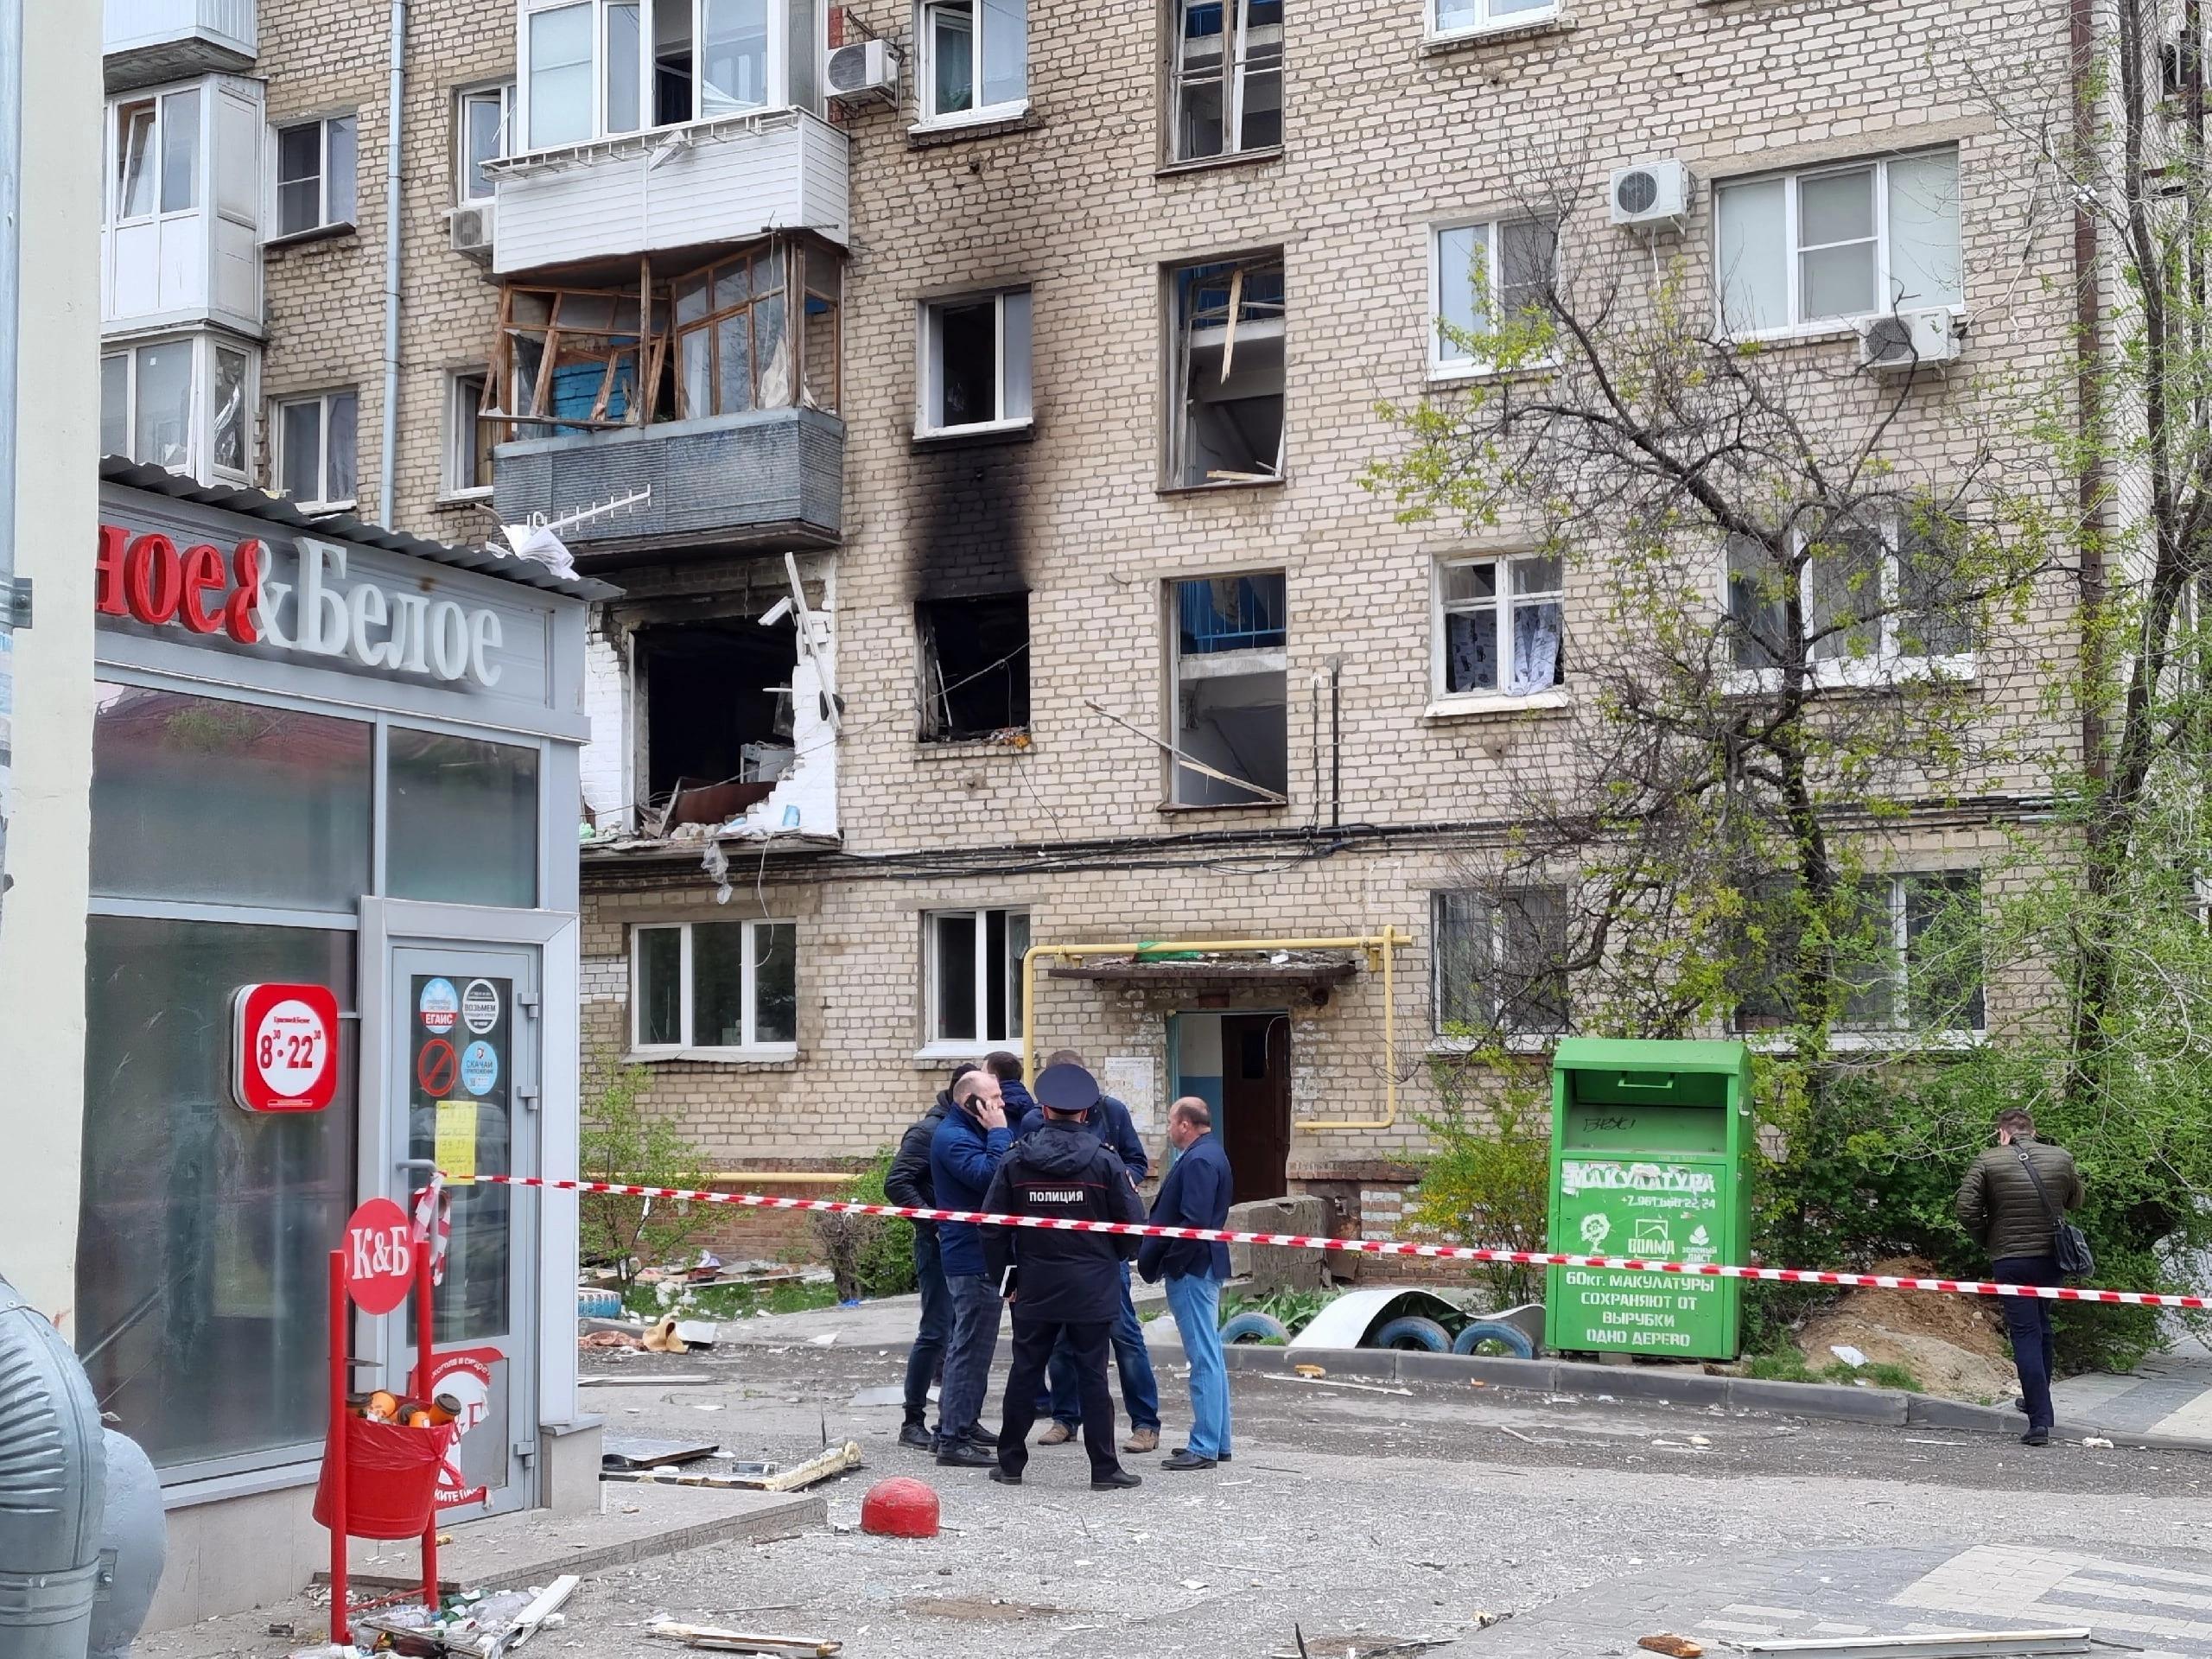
(1239, 1064)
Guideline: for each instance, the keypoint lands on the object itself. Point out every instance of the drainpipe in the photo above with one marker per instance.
(12, 126)
(387, 465)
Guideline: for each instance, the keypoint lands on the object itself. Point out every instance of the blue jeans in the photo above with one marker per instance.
(1063, 1401)
(975, 1311)
(2028, 1320)
(926, 1358)
(1195, 1301)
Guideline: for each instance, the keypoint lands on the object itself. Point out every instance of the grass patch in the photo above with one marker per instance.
(733, 1301)
(1786, 1364)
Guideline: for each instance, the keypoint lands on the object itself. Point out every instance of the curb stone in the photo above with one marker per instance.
(1889, 1407)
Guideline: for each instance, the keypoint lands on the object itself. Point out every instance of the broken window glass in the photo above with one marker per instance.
(715, 712)
(819, 343)
(1231, 740)
(975, 666)
(1228, 78)
(1228, 373)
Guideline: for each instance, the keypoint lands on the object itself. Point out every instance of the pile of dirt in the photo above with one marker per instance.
(1955, 1345)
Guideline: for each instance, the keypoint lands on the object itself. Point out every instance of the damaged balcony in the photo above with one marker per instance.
(712, 382)
(143, 42)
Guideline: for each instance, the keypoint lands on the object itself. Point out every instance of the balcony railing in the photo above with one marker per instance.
(692, 185)
(148, 41)
(724, 481)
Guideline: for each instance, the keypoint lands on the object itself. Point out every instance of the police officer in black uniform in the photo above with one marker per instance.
(1061, 1282)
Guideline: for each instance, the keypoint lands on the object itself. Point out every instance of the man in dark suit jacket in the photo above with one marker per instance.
(1195, 1194)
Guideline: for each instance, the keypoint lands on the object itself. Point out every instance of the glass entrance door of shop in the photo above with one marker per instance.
(464, 1070)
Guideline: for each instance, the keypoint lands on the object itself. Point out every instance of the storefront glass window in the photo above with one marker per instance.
(201, 1267)
(198, 798)
(462, 821)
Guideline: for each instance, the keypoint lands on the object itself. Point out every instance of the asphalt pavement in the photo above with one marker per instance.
(1506, 1523)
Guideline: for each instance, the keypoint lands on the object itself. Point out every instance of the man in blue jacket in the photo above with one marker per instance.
(964, 1155)
(1109, 1120)
(1195, 1194)
(1020, 1105)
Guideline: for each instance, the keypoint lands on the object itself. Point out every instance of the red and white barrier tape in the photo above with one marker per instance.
(1376, 1246)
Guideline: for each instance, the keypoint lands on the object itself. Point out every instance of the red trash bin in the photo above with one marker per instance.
(391, 1478)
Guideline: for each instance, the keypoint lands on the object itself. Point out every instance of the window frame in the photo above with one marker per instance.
(929, 375)
(749, 1047)
(1504, 603)
(936, 1044)
(504, 94)
(927, 116)
(1437, 33)
(776, 70)
(464, 435)
(1234, 72)
(1260, 797)
(1518, 1037)
(1183, 285)
(1866, 671)
(1896, 891)
(323, 401)
(200, 438)
(1793, 180)
(1441, 367)
(326, 223)
(159, 99)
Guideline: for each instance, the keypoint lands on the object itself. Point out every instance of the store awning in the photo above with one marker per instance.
(1307, 967)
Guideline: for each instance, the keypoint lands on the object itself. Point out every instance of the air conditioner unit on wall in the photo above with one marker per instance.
(1651, 195)
(470, 230)
(1904, 341)
(863, 71)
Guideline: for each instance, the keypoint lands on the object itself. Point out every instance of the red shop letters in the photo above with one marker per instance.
(146, 576)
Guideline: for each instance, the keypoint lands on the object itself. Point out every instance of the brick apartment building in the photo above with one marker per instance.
(1003, 373)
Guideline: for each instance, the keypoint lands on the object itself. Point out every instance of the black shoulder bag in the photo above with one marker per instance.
(2069, 1244)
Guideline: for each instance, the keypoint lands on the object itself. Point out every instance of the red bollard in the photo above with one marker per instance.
(899, 1508)
(334, 1453)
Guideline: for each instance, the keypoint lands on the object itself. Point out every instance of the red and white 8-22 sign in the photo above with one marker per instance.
(284, 1056)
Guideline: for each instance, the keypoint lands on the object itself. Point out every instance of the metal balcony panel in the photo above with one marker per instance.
(773, 476)
(146, 42)
(710, 183)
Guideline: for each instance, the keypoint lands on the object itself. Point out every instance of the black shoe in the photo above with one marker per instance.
(961, 1454)
(981, 1436)
(2020, 1404)
(1223, 1458)
(1186, 1459)
(2036, 1437)
(1120, 1481)
(1004, 1478)
(917, 1436)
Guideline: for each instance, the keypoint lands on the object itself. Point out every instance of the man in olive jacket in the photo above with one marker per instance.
(2000, 1205)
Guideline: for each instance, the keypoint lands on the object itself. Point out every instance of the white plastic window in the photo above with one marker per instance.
(1451, 17)
(1478, 274)
(715, 985)
(1500, 626)
(486, 125)
(1800, 250)
(157, 148)
(975, 975)
(184, 403)
(1876, 597)
(974, 59)
(315, 449)
(976, 363)
(314, 175)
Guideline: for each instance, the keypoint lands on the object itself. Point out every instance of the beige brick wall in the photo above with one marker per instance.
(324, 299)
(1383, 137)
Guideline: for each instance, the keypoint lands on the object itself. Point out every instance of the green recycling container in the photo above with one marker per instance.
(1651, 1143)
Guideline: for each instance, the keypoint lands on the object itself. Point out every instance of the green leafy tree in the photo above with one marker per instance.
(870, 1255)
(621, 1141)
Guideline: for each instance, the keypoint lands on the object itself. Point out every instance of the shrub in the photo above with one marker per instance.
(870, 1256)
(619, 1141)
(1489, 1183)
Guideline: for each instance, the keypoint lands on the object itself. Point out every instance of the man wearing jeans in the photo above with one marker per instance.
(909, 1184)
(964, 1155)
(2012, 1200)
(1195, 1194)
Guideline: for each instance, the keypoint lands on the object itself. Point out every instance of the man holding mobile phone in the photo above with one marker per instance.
(964, 1155)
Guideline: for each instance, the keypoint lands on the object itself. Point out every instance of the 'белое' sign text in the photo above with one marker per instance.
(147, 578)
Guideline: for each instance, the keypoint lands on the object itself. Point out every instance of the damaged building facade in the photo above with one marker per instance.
(971, 399)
